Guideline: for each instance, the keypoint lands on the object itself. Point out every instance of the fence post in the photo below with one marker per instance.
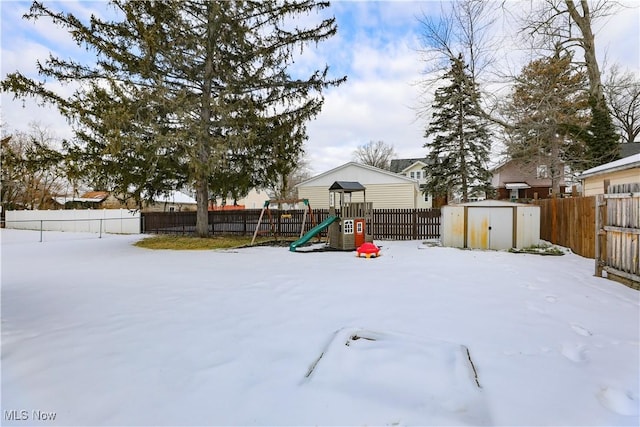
(100, 232)
(598, 248)
(554, 220)
(41, 230)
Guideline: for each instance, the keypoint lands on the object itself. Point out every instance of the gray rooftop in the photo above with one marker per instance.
(346, 186)
(629, 149)
(398, 165)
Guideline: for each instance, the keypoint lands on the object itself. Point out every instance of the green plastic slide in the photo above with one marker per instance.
(315, 230)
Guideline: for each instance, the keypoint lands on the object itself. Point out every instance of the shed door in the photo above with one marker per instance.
(490, 228)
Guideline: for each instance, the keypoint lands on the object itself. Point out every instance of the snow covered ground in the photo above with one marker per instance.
(99, 332)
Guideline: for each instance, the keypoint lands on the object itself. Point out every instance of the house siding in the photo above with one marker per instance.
(387, 190)
(420, 202)
(383, 196)
(595, 185)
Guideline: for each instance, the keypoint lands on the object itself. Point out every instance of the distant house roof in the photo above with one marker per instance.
(88, 197)
(629, 149)
(347, 186)
(629, 162)
(177, 197)
(399, 165)
(96, 196)
(347, 170)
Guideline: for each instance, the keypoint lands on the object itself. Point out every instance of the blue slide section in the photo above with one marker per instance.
(315, 230)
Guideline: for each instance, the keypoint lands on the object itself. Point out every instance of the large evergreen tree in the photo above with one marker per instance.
(460, 145)
(194, 92)
(550, 112)
(601, 138)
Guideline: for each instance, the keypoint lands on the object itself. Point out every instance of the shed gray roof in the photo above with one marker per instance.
(347, 186)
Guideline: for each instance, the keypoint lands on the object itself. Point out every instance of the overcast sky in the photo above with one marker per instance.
(377, 47)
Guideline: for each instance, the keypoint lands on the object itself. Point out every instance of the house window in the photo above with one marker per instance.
(332, 199)
(347, 225)
(541, 172)
(426, 197)
(418, 175)
(413, 174)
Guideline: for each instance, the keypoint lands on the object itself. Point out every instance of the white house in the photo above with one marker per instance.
(387, 190)
(174, 201)
(253, 200)
(414, 169)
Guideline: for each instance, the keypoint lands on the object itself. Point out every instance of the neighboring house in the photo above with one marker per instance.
(174, 201)
(520, 181)
(623, 171)
(89, 200)
(414, 169)
(387, 190)
(254, 200)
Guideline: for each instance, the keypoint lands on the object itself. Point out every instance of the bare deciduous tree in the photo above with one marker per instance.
(571, 24)
(32, 169)
(375, 153)
(463, 29)
(622, 90)
(467, 28)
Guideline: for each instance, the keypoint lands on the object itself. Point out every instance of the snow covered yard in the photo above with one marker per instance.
(99, 332)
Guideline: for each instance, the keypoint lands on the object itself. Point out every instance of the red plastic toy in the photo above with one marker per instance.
(369, 250)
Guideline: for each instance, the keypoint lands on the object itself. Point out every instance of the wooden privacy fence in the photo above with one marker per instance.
(388, 224)
(406, 224)
(569, 222)
(618, 226)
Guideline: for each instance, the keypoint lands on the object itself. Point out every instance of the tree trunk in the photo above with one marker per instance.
(202, 172)
(202, 213)
(588, 44)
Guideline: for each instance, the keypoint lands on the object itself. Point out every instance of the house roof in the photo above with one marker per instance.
(400, 165)
(175, 197)
(347, 186)
(516, 185)
(629, 149)
(95, 196)
(629, 162)
(62, 200)
(369, 171)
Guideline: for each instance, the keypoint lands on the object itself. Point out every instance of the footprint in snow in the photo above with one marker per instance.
(551, 298)
(580, 330)
(575, 352)
(535, 308)
(619, 401)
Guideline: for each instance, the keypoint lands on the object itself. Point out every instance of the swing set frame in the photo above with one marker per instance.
(272, 228)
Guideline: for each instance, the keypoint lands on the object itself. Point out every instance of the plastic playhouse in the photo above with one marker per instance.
(349, 223)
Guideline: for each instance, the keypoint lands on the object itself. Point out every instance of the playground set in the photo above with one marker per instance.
(349, 223)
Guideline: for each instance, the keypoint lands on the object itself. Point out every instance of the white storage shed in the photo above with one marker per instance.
(490, 224)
